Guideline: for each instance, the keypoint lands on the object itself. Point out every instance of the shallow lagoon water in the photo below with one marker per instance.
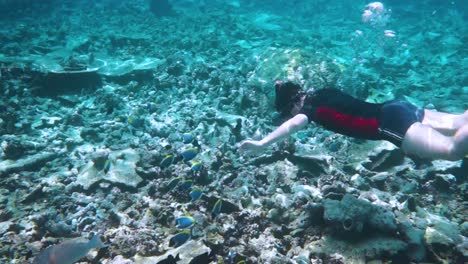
(96, 95)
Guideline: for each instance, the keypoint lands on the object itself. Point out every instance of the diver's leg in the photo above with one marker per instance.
(461, 141)
(426, 142)
(445, 123)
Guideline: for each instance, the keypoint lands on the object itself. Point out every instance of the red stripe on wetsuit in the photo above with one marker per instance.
(346, 124)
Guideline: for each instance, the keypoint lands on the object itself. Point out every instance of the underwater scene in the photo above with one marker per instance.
(233, 131)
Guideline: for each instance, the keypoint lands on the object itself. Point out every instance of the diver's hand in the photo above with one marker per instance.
(251, 146)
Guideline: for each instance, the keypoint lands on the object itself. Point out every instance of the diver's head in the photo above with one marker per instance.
(288, 98)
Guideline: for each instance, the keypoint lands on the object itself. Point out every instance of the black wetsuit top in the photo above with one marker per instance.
(344, 114)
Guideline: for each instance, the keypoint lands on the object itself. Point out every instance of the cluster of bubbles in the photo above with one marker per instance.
(374, 40)
(376, 15)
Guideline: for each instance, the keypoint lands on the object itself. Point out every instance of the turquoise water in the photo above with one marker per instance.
(119, 117)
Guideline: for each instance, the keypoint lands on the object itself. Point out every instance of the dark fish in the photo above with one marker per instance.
(185, 185)
(216, 208)
(152, 107)
(173, 183)
(167, 161)
(170, 260)
(205, 258)
(179, 239)
(68, 252)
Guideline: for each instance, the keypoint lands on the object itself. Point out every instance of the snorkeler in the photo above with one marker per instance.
(419, 132)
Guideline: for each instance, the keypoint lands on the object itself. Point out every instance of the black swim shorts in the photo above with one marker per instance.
(396, 117)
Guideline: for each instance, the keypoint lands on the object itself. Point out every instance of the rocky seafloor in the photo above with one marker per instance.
(112, 116)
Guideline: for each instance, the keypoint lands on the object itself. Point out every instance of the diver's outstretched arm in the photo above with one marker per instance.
(286, 129)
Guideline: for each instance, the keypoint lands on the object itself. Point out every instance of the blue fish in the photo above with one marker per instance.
(195, 194)
(69, 251)
(179, 239)
(173, 183)
(187, 138)
(135, 121)
(185, 185)
(230, 257)
(302, 260)
(152, 107)
(196, 166)
(185, 222)
(167, 161)
(216, 208)
(189, 154)
(107, 166)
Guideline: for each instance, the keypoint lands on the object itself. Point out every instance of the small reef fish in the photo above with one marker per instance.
(216, 208)
(185, 185)
(189, 154)
(230, 257)
(185, 221)
(167, 161)
(107, 166)
(302, 261)
(173, 183)
(135, 121)
(187, 138)
(152, 107)
(170, 260)
(207, 257)
(195, 194)
(68, 252)
(196, 166)
(179, 239)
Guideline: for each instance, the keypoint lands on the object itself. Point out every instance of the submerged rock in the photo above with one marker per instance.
(161, 7)
(5, 226)
(186, 253)
(444, 237)
(13, 149)
(356, 215)
(121, 170)
(33, 162)
(367, 247)
(52, 83)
